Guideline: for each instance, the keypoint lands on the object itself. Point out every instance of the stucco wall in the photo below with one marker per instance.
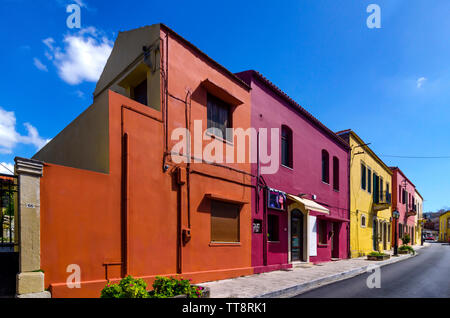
(361, 201)
(84, 143)
(270, 111)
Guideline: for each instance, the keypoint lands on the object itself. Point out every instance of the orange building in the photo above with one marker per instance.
(118, 198)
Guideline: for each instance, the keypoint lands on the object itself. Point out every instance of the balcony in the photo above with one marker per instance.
(411, 210)
(381, 200)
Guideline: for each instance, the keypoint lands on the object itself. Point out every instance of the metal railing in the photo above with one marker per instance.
(383, 197)
(8, 212)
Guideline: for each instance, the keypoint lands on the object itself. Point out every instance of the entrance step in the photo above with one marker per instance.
(302, 265)
(335, 259)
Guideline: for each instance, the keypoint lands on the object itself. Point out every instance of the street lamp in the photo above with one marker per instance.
(395, 216)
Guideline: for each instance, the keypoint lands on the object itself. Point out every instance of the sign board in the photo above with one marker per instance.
(276, 200)
(257, 226)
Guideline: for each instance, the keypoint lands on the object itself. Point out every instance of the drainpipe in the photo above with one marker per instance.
(349, 155)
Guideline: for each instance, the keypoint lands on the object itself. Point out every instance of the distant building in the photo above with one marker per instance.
(370, 198)
(444, 227)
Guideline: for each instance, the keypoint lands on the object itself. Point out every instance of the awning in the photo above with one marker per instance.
(221, 93)
(309, 204)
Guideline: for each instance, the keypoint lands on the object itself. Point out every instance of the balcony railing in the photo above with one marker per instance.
(411, 209)
(382, 200)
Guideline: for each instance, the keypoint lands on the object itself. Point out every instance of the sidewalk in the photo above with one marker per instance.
(287, 283)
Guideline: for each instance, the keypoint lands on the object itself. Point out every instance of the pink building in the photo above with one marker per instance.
(404, 202)
(301, 212)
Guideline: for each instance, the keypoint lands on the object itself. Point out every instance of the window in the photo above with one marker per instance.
(400, 194)
(369, 179)
(389, 233)
(272, 228)
(363, 176)
(363, 220)
(322, 231)
(336, 173)
(381, 189)
(325, 166)
(219, 117)
(286, 146)
(139, 92)
(224, 222)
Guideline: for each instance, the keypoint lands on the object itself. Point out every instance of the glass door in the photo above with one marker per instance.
(296, 236)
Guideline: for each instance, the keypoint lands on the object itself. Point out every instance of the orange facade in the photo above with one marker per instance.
(149, 215)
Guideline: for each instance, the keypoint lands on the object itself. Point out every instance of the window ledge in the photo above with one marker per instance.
(322, 245)
(287, 167)
(224, 244)
(276, 242)
(218, 138)
(325, 183)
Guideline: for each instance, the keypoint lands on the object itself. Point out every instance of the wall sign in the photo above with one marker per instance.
(276, 200)
(257, 226)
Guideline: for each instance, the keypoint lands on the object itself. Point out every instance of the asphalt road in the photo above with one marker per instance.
(426, 275)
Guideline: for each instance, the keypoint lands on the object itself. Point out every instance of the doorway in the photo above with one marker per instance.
(335, 240)
(296, 236)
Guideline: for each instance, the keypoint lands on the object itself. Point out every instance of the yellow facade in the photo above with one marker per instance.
(444, 227)
(418, 218)
(370, 218)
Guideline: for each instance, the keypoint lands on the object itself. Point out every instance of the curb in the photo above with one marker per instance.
(307, 286)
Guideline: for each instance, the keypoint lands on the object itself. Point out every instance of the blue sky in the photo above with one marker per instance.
(390, 85)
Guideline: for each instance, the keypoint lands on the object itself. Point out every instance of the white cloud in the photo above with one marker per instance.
(83, 57)
(9, 137)
(39, 65)
(420, 82)
(6, 168)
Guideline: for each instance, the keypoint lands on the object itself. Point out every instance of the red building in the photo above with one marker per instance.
(119, 198)
(300, 211)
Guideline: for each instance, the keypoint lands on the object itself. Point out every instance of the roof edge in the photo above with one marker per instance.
(285, 97)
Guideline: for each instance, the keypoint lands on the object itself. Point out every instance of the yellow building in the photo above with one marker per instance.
(370, 198)
(444, 227)
(419, 217)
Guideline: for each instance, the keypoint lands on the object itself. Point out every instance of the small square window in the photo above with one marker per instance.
(224, 222)
(139, 92)
(218, 117)
(272, 228)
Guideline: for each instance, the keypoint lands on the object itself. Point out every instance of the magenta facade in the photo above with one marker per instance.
(271, 108)
(404, 202)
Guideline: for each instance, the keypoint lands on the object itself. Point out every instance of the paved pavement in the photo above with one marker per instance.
(427, 275)
(284, 284)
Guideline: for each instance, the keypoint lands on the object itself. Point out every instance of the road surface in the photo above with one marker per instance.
(426, 275)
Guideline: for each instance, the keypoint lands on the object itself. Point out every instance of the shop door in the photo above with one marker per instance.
(296, 236)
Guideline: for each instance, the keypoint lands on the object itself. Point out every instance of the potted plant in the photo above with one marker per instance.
(377, 256)
(406, 249)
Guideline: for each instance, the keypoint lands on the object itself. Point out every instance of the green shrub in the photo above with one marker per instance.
(407, 248)
(406, 239)
(376, 254)
(165, 287)
(128, 287)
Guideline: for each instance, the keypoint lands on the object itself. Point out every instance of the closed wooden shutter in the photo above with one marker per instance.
(224, 222)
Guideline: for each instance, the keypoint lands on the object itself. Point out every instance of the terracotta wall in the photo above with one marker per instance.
(131, 218)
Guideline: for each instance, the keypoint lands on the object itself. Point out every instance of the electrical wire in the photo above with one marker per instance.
(6, 167)
(417, 157)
